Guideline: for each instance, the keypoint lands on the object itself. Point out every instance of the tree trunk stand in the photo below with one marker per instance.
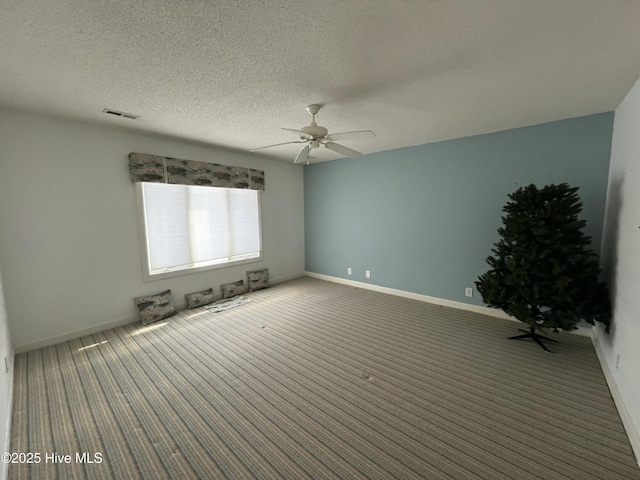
(537, 338)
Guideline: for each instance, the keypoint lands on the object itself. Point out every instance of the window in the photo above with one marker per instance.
(190, 227)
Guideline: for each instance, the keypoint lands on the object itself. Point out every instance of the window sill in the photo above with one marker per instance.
(192, 271)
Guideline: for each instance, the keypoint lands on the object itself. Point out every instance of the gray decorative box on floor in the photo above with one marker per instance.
(155, 307)
(258, 279)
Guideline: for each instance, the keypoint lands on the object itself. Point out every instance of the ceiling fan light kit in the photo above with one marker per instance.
(315, 135)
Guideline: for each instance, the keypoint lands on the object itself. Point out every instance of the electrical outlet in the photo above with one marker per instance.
(349, 271)
(468, 292)
(367, 274)
(6, 364)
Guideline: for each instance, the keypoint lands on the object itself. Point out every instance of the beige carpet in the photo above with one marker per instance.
(318, 380)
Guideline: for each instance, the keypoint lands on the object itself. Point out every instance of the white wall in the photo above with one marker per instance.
(621, 262)
(6, 382)
(69, 237)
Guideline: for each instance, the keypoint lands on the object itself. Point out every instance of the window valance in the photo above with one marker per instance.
(157, 169)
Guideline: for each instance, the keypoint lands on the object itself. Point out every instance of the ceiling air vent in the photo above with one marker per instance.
(116, 113)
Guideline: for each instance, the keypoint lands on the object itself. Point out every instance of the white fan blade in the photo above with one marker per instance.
(277, 145)
(336, 136)
(303, 153)
(342, 150)
(300, 132)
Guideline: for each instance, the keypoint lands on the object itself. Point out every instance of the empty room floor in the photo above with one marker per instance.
(314, 379)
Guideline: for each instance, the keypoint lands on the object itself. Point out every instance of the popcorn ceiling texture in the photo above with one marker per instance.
(232, 73)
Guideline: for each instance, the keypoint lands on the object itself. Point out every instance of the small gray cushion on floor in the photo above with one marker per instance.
(155, 307)
(198, 299)
(233, 289)
(258, 279)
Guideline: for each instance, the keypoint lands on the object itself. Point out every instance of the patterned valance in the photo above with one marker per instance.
(157, 169)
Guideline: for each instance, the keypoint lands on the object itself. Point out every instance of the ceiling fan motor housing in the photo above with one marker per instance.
(315, 131)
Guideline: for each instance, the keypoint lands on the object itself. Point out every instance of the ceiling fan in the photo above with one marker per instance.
(315, 136)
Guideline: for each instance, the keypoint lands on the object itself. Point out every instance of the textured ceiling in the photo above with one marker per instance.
(231, 73)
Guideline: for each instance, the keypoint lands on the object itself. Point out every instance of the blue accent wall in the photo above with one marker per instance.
(423, 219)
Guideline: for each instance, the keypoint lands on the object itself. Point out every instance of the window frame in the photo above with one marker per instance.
(145, 263)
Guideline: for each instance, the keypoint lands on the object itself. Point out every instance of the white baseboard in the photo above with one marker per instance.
(492, 312)
(46, 342)
(632, 433)
(286, 279)
(6, 445)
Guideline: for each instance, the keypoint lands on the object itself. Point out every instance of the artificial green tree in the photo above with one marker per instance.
(542, 271)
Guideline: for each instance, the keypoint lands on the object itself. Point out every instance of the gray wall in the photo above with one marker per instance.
(621, 258)
(423, 219)
(69, 236)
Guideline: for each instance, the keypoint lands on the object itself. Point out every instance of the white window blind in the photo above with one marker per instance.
(191, 227)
